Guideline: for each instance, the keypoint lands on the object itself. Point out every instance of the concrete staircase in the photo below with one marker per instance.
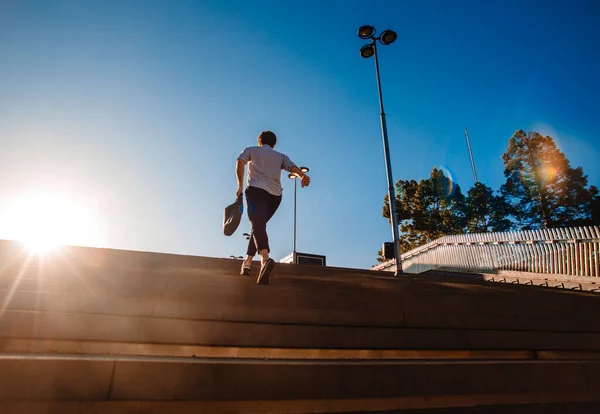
(108, 331)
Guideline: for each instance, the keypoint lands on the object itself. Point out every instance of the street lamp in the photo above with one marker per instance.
(293, 177)
(386, 37)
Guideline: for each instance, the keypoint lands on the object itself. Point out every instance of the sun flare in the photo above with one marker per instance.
(44, 221)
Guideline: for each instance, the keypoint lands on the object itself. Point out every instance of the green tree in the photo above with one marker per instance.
(486, 212)
(541, 190)
(541, 186)
(575, 207)
(595, 205)
(380, 258)
(428, 209)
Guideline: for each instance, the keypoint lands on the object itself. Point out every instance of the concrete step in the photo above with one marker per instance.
(15, 258)
(87, 347)
(141, 329)
(545, 408)
(357, 301)
(100, 330)
(93, 378)
(473, 404)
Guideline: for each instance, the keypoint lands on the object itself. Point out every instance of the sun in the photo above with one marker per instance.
(41, 244)
(44, 221)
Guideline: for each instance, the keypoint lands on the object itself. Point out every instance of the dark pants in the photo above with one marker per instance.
(261, 207)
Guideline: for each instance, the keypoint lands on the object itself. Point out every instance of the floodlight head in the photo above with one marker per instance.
(367, 51)
(304, 169)
(388, 37)
(291, 176)
(366, 32)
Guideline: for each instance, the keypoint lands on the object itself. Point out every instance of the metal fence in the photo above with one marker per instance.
(570, 251)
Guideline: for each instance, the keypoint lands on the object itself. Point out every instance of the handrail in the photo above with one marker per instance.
(566, 251)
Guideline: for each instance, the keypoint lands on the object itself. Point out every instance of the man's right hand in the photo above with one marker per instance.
(305, 180)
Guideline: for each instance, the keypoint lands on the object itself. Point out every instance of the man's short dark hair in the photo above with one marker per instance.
(268, 138)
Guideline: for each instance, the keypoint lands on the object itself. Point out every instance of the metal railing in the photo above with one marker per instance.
(573, 251)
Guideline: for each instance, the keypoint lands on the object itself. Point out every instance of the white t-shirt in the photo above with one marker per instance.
(264, 168)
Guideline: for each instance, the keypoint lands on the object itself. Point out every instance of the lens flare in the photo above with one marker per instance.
(451, 184)
(547, 173)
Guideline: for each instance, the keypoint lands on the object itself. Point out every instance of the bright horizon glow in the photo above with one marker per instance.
(43, 221)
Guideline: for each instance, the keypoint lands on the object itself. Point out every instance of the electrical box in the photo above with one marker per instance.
(305, 258)
(388, 250)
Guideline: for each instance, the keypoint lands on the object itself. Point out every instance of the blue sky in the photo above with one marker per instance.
(136, 110)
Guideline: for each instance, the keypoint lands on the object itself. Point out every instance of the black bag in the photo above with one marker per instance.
(232, 215)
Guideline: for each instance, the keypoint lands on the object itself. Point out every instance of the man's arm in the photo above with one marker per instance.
(298, 173)
(240, 169)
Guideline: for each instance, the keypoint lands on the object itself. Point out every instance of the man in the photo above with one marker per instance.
(263, 196)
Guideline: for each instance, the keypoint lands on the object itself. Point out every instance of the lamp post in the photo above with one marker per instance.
(385, 38)
(293, 177)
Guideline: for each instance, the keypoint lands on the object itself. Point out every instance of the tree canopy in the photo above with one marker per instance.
(541, 185)
(541, 190)
(428, 209)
